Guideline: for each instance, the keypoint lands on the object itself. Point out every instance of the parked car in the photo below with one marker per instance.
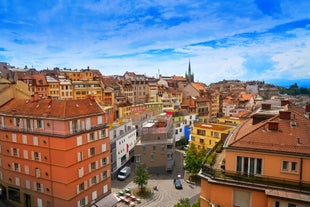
(178, 184)
(124, 173)
(186, 147)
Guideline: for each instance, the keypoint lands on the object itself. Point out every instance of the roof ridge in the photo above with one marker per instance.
(259, 125)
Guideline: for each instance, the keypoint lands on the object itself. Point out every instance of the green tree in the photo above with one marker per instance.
(141, 177)
(194, 159)
(183, 202)
(197, 203)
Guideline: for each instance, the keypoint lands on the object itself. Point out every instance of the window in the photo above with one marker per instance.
(104, 175)
(249, 165)
(201, 132)
(103, 147)
(79, 140)
(26, 169)
(80, 156)
(37, 156)
(93, 180)
(285, 166)
(92, 151)
(16, 152)
(138, 158)
(91, 137)
(276, 204)
(201, 141)
(82, 202)
(103, 133)
(291, 167)
(24, 139)
(152, 157)
(104, 161)
(154, 148)
(16, 167)
(81, 187)
(37, 172)
(216, 134)
(81, 172)
(294, 166)
(28, 184)
(35, 141)
(39, 124)
(39, 187)
(92, 166)
(14, 138)
(291, 205)
(193, 138)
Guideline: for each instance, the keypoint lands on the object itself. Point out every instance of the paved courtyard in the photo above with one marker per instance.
(166, 195)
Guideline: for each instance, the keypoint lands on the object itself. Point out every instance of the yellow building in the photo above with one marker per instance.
(81, 89)
(78, 75)
(53, 87)
(208, 135)
(230, 120)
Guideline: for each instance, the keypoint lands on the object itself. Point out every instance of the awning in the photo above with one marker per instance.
(107, 201)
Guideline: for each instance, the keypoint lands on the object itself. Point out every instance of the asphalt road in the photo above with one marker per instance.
(167, 195)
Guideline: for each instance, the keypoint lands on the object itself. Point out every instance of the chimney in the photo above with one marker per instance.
(285, 102)
(285, 115)
(266, 106)
(274, 126)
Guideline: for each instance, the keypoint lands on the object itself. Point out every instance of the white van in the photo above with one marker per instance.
(124, 173)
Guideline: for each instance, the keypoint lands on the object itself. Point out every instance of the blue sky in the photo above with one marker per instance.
(246, 40)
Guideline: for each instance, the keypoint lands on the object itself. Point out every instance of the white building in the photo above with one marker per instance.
(180, 121)
(123, 140)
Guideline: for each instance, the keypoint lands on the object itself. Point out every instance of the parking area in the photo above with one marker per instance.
(166, 194)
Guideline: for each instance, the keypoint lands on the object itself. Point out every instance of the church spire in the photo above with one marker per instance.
(189, 75)
(189, 68)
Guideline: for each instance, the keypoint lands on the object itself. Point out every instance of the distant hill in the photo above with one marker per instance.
(305, 83)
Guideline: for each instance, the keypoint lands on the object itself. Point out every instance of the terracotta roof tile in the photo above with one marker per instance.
(52, 108)
(288, 138)
(199, 86)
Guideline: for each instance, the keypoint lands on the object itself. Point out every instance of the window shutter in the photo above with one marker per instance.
(70, 127)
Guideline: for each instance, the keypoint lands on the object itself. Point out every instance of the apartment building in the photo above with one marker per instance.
(267, 163)
(65, 88)
(84, 88)
(123, 139)
(75, 75)
(10, 90)
(53, 87)
(54, 153)
(181, 120)
(208, 135)
(156, 146)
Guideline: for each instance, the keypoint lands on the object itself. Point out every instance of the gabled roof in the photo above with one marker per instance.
(199, 86)
(286, 139)
(48, 108)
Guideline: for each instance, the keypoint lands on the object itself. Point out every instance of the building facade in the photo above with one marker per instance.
(123, 140)
(156, 146)
(267, 163)
(54, 152)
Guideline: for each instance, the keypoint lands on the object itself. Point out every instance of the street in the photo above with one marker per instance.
(167, 195)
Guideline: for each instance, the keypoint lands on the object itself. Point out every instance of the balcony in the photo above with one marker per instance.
(237, 178)
(53, 133)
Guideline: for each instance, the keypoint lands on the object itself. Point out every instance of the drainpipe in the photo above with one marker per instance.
(300, 174)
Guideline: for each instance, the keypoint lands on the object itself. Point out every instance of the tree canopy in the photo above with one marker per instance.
(194, 159)
(294, 90)
(141, 176)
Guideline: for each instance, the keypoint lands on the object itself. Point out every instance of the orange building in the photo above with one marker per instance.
(267, 163)
(54, 152)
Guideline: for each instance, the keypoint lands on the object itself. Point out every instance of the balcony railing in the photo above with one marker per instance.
(246, 179)
(54, 133)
